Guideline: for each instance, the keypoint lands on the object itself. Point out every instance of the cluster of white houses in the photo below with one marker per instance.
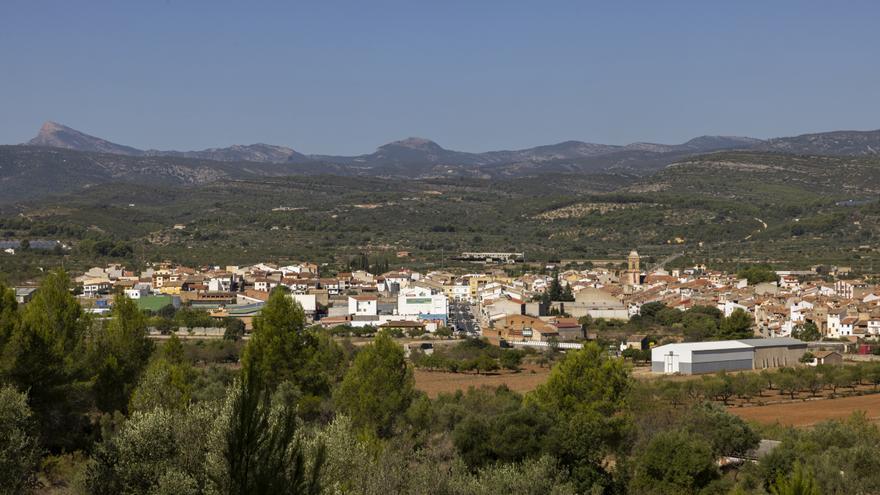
(511, 308)
(415, 304)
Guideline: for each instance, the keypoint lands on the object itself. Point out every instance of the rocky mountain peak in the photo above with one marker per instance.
(60, 136)
(415, 143)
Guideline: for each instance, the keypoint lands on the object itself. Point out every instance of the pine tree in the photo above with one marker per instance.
(377, 388)
(567, 294)
(801, 482)
(261, 453)
(118, 354)
(8, 315)
(279, 343)
(736, 326)
(555, 289)
(44, 356)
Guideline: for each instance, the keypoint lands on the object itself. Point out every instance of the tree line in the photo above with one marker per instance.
(790, 382)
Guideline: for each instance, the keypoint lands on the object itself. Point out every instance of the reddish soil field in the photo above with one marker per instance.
(434, 383)
(812, 411)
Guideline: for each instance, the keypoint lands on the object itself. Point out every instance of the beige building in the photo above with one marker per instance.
(826, 357)
(776, 353)
(596, 303)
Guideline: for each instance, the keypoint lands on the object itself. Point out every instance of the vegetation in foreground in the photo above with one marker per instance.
(91, 406)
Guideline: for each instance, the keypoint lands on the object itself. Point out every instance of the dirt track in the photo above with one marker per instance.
(811, 412)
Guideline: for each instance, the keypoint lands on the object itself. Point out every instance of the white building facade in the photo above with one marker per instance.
(416, 301)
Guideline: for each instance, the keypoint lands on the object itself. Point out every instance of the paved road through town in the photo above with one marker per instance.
(461, 319)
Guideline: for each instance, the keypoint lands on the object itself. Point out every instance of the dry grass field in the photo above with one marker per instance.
(775, 407)
(808, 413)
(434, 383)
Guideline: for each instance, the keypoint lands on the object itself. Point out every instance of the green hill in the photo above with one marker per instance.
(725, 208)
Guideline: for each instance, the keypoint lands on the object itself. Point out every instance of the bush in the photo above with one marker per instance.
(235, 329)
(674, 462)
(19, 451)
(511, 359)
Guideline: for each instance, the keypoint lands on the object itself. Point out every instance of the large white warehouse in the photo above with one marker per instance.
(729, 355)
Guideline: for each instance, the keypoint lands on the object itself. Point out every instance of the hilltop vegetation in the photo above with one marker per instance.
(726, 208)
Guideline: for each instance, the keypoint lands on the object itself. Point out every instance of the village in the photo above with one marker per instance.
(559, 308)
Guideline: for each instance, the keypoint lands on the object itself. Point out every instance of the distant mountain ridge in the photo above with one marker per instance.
(416, 157)
(420, 152)
(423, 152)
(29, 172)
(62, 159)
(835, 143)
(55, 135)
(410, 151)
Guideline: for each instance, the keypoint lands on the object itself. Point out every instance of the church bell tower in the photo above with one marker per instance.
(633, 272)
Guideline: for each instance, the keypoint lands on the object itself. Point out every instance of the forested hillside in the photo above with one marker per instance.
(725, 208)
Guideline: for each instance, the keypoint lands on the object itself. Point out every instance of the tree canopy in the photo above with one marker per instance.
(587, 395)
(19, 450)
(674, 462)
(736, 326)
(756, 274)
(377, 388)
(808, 332)
(45, 356)
(281, 349)
(118, 352)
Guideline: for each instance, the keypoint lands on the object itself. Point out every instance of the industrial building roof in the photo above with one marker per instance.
(774, 342)
(718, 345)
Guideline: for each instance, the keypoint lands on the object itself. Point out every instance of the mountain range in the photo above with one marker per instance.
(412, 151)
(62, 159)
(55, 135)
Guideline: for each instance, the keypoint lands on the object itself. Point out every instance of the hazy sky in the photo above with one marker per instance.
(346, 76)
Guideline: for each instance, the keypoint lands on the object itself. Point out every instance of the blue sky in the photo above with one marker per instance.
(346, 76)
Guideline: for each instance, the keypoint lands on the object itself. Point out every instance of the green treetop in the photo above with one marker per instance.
(279, 343)
(44, 356)
(736, 326)
(118, 352)
(377, 388)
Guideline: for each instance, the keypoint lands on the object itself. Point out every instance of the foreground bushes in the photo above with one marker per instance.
(245, 444)
(306, 414)
(19, 451)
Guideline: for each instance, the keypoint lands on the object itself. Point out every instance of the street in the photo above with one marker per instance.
(461, 319)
